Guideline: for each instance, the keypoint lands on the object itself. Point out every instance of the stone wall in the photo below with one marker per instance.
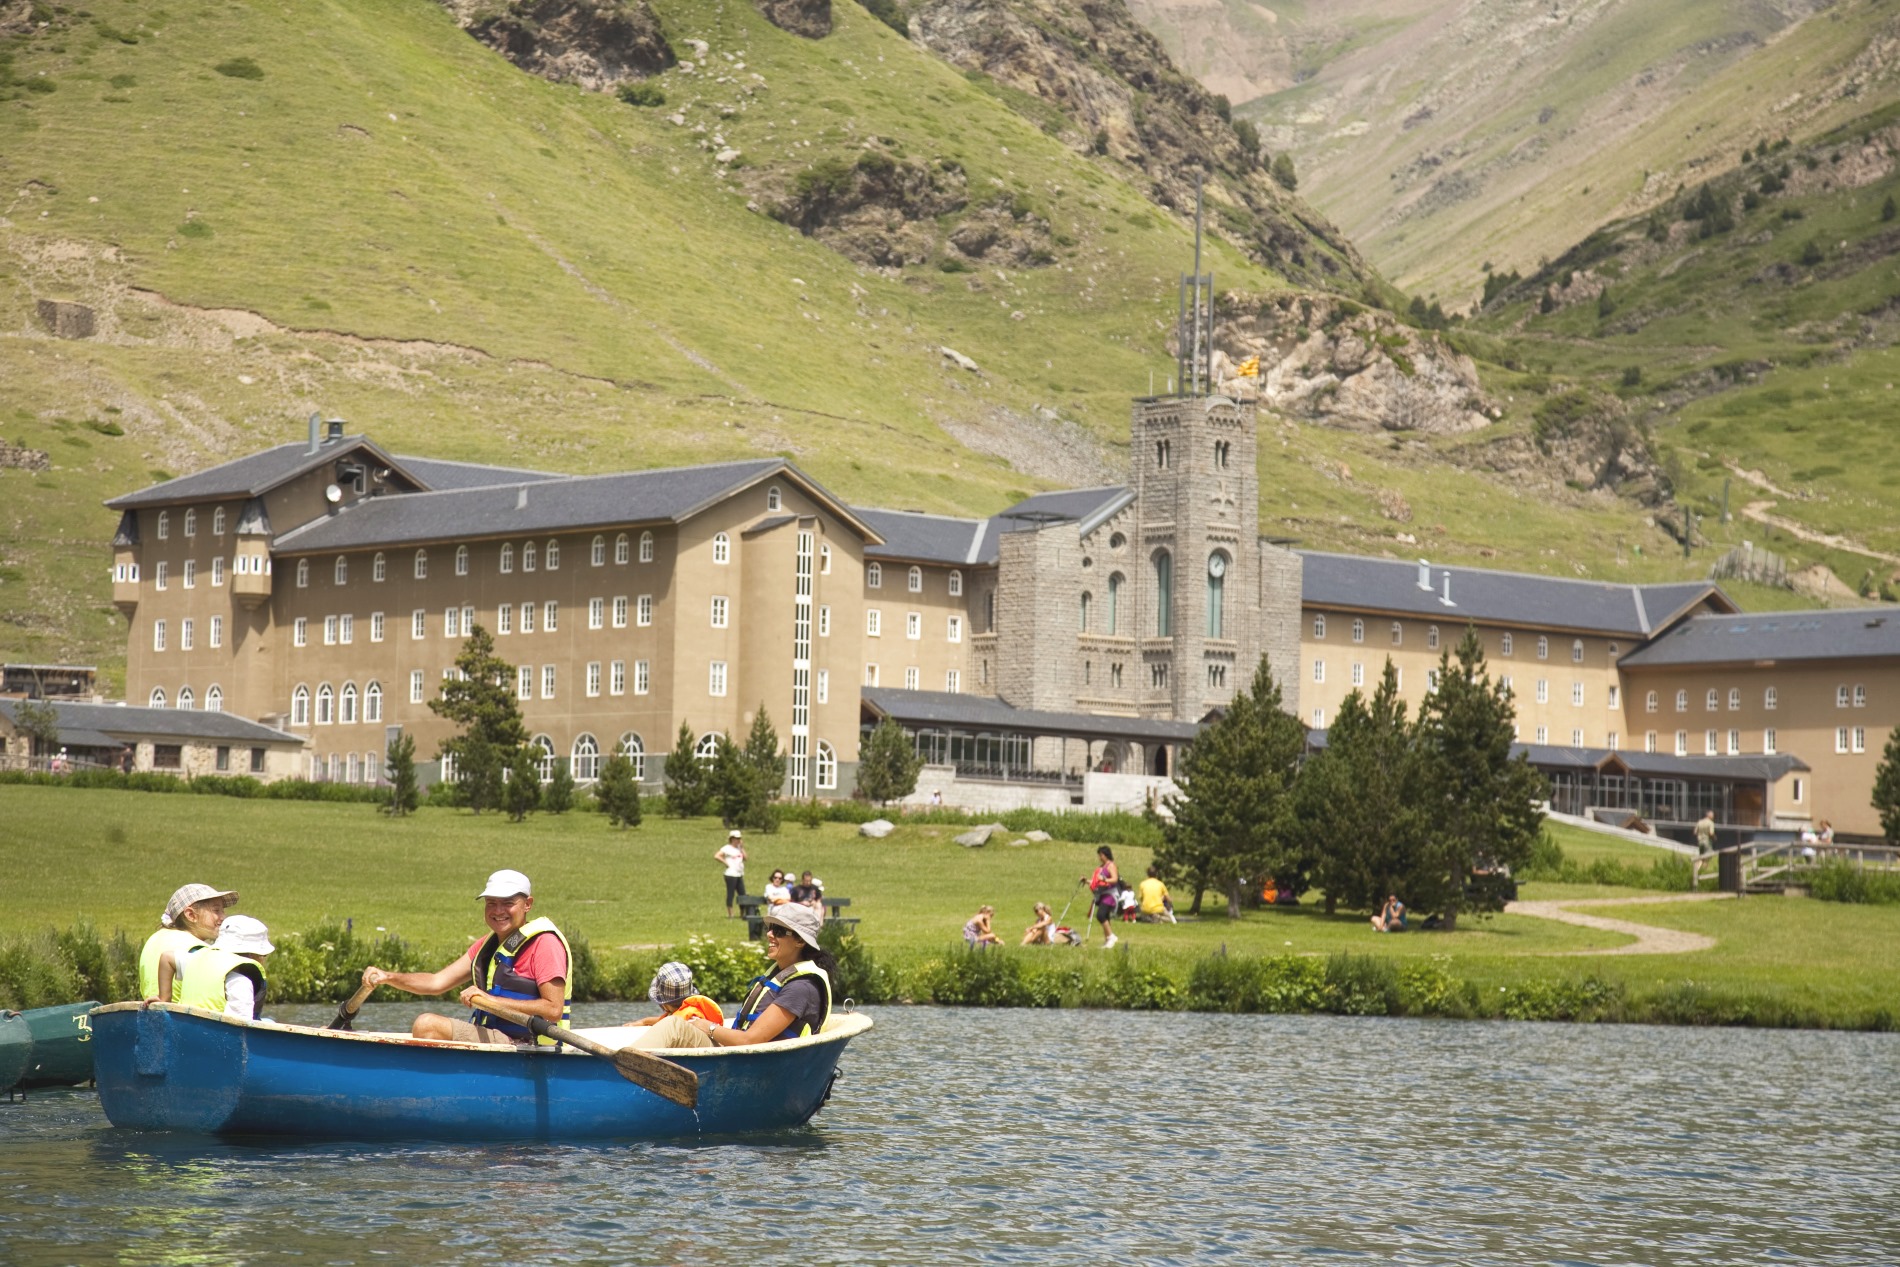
(1036, 601)
(1281, 578)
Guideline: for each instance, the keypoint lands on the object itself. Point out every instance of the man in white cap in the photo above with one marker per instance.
(732, 854)
(191, 920)
(521, 964)
(228, 976)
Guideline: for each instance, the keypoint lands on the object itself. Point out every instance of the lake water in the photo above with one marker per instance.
(1071, 1137)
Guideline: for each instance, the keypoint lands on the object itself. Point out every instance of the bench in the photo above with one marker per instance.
(753, 908)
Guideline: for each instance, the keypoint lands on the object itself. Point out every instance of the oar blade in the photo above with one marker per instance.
(662, 1077)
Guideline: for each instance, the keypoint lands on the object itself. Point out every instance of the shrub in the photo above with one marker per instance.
(887, 12)
(721, 970)
(325, 964)
(641, 94)
(1361, 985)
(239, 68)
(860, 976)
(1841, 882)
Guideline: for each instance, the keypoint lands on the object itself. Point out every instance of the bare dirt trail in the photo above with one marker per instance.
(1650, 940)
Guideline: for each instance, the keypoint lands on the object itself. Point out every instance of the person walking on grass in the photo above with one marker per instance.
(1705, 832)
(522, 964)
(191, 920)
(1105, 887)
(731, 855)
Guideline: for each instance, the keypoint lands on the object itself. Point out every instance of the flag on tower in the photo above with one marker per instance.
(1249, 368)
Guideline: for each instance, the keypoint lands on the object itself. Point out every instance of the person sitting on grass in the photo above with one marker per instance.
(1391, 917)
(1037, 934)
(521, 964)
(672, 992)
(191, 920)
(976, 930)
(1156, 906)
(228, 976)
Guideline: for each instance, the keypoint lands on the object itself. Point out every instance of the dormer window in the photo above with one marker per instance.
(772, 499)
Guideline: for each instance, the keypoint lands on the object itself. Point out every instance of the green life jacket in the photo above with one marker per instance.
(203, 974)
(764, 993)
(174, 940)
(494, 972)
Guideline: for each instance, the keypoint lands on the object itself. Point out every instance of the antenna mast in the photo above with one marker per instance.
(1194, 322)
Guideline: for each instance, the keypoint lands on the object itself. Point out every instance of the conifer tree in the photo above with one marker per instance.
(558, 796)
(888, 763)
(521, 793)
(400, 763)
(762, 752)
(618, 792)
(1886, 795)
(1234, 815)
(480, 697)
(1480, 803)
(1355, 799)
(686, 778)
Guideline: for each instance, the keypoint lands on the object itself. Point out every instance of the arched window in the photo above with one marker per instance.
(1713, 700)
(326, 705)
(1164, 593)
(164, 524)
(1769, 698)
(646, 547)
(1216, 594)
(461, 560)
(507, 563)
(1084, 625)
(214, 699)
(158, 697)
(1576, 651)
(544, 760)
(1431, 637)
(722, 548)
(620, 548)
(527, 556)
(874, 576)
(598, 555)
(422, 565)
(1504, 644)
(916, 580)
(1543, 647)
(217, 522)
(378, 568)
(772, 499)
(552, 556)
(348, 714)
(1358, 629)
(1682, 701)
(708, 746)
(373, 703)
(300, 706)
(1111, 624)
(340, 574)
(827, 767)
(585, 762)
(185, 698)
(303, 574)
(635, 751)
(191, 523)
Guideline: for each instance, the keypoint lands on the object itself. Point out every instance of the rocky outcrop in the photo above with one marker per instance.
(1334, 362)
(809, 18)
(597, 44)
(1111, 89)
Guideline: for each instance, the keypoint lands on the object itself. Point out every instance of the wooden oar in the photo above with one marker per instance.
(346, 1010)
(662, 1077)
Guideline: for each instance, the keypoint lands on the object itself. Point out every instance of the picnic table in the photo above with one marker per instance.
(753, 908)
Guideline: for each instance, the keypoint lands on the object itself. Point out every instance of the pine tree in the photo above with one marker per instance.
(1886, 796)
(1355, 799)
(619, 792)
(738, 789)
(480, 697)
(1282, 171)
(686, 778)
(1234, 819)
(762, 752)
(1481, 804)
(400, 762)
(558, 796)
(888, 763)
(522, 791)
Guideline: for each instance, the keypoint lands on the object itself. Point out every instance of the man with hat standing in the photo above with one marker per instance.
(228, 976)
(191, 920)
(522, 964)
(732, 854)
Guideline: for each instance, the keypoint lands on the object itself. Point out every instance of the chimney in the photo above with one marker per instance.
(333, 431)
(1446, 600)
(1425, 576)
(316, 432)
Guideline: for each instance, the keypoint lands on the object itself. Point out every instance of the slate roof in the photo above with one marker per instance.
(1752, 637)
(542, 505)
(917, 537)
(437, 474)
(1647, 764)
(251, 475)
(985, 713)
(115, 723)
(1481, 594)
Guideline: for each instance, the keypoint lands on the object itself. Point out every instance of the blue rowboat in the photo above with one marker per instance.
(169, 1067)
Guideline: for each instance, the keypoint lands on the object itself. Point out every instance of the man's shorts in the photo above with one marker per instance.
(469, 1032)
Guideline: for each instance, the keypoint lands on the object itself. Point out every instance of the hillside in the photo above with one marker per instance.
(1751, 327)
(1441, 135)
(217, 221)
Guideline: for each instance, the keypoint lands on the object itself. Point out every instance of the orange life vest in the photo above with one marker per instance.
(702, 1007)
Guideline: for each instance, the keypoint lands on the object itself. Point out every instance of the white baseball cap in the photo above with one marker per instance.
(508, 884)
(244, 935)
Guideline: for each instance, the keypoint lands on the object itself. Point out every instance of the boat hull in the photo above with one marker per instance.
(62, 1045)
(169, 1067)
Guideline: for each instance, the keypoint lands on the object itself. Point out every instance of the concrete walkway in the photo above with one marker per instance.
(1650, 940)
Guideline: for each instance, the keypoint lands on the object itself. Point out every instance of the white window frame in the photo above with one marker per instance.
(620, 611)
(593, 678)
(329, 631)
(524, 681)
(823, 686)
(824, 620)
(417, 686)
(1576, 694)
(596, 611)
(954, 631)
(187, 634)
(643, 611)
(504, 619)
(716, 679)
(1358, 630)
(550, 616)
(1319, 670)
(915, 579)
(547, 681)
(617, 678)
(721, 611)
(721, 549)
(913, 625)
(955, 583)
(646, 547)
(1319, 625)
(873, 576)
(622, 549)
(1358, 673)
(642, 677)
(873, 622)
(217, 631)
(597, 552)
(421, 565)
(300, 632)
(913, 678)
(1543, 690)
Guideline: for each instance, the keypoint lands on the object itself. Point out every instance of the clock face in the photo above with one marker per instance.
(1216, 566)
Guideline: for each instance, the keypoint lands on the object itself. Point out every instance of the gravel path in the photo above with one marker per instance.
(1650, 940)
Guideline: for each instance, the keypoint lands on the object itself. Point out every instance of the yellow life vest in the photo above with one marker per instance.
(178, 943)
(764, 993)
(203, 973)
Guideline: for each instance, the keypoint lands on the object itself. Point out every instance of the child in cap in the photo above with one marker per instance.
(228, 976)
(191, 920)
(672, 991)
